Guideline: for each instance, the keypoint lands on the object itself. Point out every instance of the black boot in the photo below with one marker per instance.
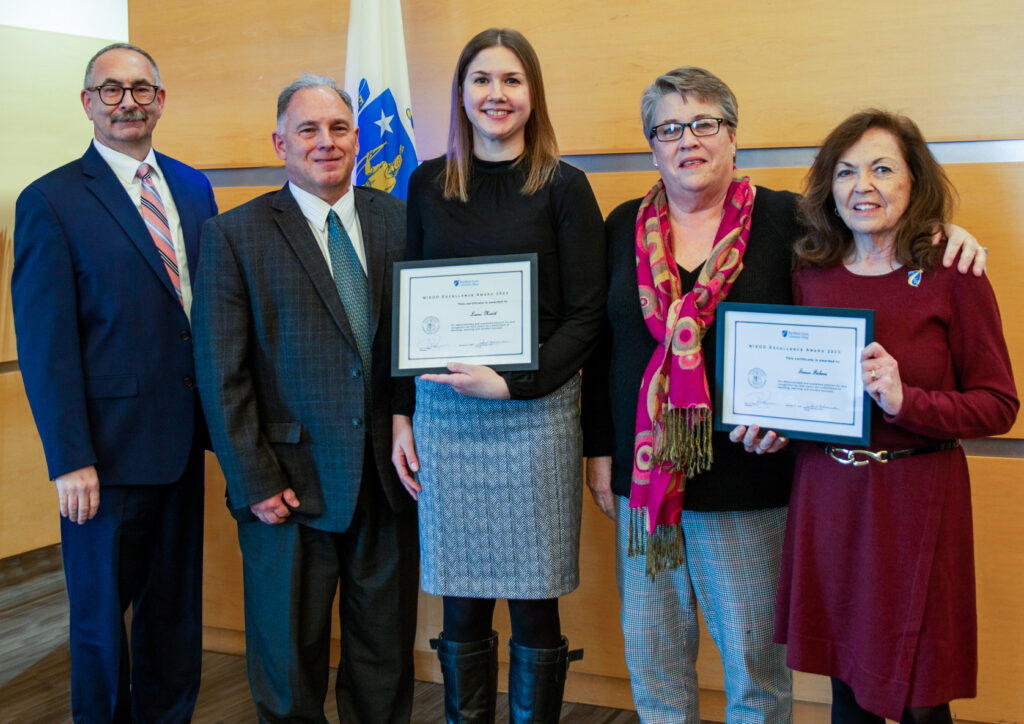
(470, 673)
(536, 682)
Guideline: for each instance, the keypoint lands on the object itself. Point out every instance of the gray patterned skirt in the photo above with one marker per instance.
(502, 492)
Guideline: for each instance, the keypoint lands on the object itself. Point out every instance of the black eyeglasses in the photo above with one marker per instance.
(111, 94)
(674, 130)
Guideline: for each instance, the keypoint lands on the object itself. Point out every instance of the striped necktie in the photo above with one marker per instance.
(350, 279)
(156, 221)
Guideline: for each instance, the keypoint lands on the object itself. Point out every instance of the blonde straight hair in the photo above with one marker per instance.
(541, 154)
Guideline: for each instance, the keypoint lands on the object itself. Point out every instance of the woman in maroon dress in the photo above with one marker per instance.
(877, 582)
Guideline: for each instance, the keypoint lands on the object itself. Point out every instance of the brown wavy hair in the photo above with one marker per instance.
(932, 197)
(541, 154)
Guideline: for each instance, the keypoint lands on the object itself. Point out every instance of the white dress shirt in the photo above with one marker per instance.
(125, 167)
(316, 211)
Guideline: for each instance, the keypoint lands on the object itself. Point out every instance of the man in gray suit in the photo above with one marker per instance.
(292, 321)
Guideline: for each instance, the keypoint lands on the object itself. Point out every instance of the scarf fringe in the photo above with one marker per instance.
(637, 540)
(664, 549)
(685, 440)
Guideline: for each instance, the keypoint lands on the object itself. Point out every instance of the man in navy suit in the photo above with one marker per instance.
(292, 320)
(106, 249)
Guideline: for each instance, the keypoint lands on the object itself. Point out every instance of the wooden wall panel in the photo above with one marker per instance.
(780, 56)
(222, 559)
(999, 559)
(223, 64)
(786, 62)
(8, 350)
(991, 199)
(612, 189)
(228, 197)
(790, 64)
(30, 517)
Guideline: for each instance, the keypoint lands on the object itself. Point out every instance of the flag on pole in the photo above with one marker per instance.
(377, 79)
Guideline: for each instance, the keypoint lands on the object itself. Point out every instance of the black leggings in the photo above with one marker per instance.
(535, 623)
(846, 710)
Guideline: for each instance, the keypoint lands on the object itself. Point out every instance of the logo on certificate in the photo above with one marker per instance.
(431, 325)
(757, 378)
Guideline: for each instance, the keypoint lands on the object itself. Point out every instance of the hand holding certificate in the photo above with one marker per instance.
(795, 370)
(480, 311)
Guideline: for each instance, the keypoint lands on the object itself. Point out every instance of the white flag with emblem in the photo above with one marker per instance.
(377, 79)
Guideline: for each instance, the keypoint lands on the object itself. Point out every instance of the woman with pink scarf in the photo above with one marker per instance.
(698, 520)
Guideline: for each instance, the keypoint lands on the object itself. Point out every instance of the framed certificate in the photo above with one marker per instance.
(479, 310)
(795, 370)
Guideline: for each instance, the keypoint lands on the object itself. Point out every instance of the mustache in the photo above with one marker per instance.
(136, 115)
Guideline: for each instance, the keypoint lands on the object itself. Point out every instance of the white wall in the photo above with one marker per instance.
(91, 18)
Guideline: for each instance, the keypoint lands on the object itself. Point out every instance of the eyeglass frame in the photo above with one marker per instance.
(653, 134)
(125, 89)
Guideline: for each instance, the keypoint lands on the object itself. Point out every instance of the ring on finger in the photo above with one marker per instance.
(874, 375)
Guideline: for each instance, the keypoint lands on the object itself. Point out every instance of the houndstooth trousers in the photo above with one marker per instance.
(732, 571)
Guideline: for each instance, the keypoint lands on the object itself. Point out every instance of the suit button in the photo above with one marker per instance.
(185, 335)
(357, 422)
(188, 381)
(356, 373)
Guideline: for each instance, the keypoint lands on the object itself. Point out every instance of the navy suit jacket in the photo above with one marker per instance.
(281, 379)
(104, 345)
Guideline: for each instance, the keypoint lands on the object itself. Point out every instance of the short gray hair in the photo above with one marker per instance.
(119, 46)
(688, 81)
(307, 80)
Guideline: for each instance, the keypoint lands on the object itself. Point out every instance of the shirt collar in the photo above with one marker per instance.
(316, 209)
(123, 165)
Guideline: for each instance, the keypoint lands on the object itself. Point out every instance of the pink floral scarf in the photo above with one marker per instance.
(673, 421)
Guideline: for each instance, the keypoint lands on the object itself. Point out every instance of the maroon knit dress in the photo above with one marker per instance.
(877, 582)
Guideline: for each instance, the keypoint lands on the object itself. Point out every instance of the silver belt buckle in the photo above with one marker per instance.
(846, 456)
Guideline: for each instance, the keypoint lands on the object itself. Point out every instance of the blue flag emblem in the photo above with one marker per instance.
(386, 154)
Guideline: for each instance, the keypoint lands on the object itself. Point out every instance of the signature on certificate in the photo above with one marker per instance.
(759, 399)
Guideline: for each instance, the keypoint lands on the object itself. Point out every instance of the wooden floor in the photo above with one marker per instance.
(35, 664)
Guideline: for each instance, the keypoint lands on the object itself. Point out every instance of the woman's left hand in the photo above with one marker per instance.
(472, 381)
(881, 376)
(403, 454)
(962, 243)
(754, 442)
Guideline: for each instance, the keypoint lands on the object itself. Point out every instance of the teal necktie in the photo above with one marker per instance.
(350, 279)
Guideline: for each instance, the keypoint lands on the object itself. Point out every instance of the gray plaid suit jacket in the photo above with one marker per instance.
(279, 373)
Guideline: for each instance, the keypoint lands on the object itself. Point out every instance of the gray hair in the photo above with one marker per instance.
(688, 81)
(307, 80)
(119, 46)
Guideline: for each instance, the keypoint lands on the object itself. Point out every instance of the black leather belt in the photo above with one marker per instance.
(849, 456)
